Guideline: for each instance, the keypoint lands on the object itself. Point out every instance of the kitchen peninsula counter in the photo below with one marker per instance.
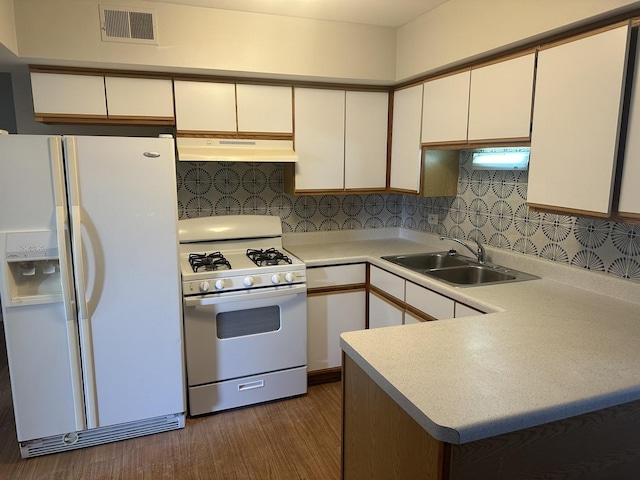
(549, 349)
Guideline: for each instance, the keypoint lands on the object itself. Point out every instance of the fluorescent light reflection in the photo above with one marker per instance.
(501, 159)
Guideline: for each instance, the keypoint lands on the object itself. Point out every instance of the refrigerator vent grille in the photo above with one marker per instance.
(98, 436)
(131, 26)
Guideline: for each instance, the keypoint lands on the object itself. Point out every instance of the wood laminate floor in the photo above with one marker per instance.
(297, 438)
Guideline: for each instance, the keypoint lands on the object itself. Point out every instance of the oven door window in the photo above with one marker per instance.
(240, 323)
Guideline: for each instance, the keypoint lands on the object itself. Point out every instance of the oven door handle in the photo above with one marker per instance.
(244, 295)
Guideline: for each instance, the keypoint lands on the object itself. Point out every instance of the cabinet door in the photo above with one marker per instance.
(576, 120)
(433, 304)
(319, 139)
(445, 108)
(264, 108)
(406, 152)
(328, 316)
(629, 203)
(500, 100)
(205, 106)
(68, 94)
(367, 118)
(383, 313)
(139, 97)
(464, 311)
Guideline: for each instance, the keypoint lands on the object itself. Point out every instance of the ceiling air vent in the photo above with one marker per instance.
(130, 26)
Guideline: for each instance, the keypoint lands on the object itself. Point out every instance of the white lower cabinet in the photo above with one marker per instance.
(336, 303)
(383, 313)
(463, 310)
(433, 304)
(396, 301)
(329, 315)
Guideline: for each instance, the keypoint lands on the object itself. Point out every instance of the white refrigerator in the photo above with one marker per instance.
(90, 288)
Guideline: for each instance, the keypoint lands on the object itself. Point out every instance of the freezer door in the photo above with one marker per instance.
(124, 222)
(42, 337)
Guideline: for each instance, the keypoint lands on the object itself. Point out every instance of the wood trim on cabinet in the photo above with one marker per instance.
(419, 313)
(336, 289)
(236, 135)
(537, 207)
(386, 297)
(473, 144)
(73, 119)
(626, 217)
(589, 33)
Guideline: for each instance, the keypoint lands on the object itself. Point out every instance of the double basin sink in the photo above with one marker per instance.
(458, 270)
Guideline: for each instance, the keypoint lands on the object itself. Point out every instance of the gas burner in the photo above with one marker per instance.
(264, 258)
(211, 261)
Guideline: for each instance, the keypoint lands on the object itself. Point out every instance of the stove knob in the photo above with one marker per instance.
(248, 281)
(219, 284)
(289, 277)
(275, 279)
(204, 286)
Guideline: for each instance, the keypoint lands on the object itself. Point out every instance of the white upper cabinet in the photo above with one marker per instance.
(629, 202)
(231, 108)
(61, 97)
(319, 139)
(205, 106)
(445, 109)
(366, 127)
(501, 98)
(139, 97)
(63, 94)
(406, 150)
(340, 139)
(490, 103)
(264, 108)
(576, 123)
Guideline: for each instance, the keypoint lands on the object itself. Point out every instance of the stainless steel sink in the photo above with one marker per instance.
(428, 261)
(458, 270)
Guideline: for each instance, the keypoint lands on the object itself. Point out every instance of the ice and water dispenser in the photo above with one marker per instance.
(32, 268)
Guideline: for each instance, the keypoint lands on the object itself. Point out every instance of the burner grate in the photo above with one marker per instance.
(208, 262)
(264, 258)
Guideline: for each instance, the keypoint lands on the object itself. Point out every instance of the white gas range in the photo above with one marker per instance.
(244, 314)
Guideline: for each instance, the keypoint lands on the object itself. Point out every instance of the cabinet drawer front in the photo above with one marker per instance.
(336, 275)
(431, 303)
(387, 282)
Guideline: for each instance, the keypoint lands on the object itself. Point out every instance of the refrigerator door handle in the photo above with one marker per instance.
(62, 228)
(86, 344)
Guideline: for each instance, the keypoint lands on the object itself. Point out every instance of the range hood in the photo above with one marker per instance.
(235, 150)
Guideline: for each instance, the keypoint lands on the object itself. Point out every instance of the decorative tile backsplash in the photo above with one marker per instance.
(490, 206)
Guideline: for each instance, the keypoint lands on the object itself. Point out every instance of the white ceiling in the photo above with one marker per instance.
(389, 13)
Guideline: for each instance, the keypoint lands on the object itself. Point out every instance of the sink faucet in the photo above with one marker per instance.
(479, 252)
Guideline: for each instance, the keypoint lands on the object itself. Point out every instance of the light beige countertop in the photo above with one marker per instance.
(556, 347)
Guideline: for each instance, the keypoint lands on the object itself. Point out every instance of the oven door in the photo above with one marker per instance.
(235, 334)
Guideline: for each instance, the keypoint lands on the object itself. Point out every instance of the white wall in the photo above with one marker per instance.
(461, 30)
(210, 41)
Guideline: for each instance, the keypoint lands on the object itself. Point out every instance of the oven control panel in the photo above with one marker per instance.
(243, 282)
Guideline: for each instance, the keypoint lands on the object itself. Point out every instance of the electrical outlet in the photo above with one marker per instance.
(432, 219)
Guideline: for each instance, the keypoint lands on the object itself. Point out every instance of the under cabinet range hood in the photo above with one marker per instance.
(235, 150)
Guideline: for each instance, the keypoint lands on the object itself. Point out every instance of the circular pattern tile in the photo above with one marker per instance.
(626, 238)
(591, 233)
(305, 207)
(254, 181)
(226, 181)
(197, 181)
(588, 260)
(352, 205)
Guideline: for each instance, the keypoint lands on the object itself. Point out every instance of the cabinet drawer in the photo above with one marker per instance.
(387, 282)
(336, 275)
(431, 303)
